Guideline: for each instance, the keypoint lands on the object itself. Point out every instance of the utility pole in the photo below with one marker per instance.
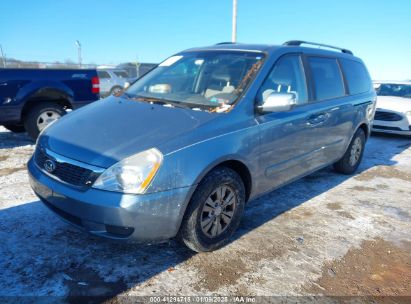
(234, 29)
(137, 67)
(79, 52)
(3, 59)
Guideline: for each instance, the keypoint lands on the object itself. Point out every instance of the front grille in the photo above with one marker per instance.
(387, 116)
(386, 128)
(66, 172)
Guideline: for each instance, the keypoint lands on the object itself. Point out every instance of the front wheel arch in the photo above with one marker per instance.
(238, 166)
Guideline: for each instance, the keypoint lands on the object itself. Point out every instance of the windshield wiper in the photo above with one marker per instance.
(158, 100)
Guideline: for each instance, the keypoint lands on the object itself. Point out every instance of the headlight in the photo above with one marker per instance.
(131, 175)
(408, 113)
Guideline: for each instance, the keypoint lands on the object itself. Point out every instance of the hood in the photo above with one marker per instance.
(107, 131)
(394, 103)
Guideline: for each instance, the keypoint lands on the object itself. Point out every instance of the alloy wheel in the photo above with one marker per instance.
(218, 211)
(355, 151)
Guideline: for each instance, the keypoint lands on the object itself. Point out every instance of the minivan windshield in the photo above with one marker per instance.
(389, 89)
(207, 80)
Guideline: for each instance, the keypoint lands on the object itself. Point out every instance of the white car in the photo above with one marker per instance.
(393, 114)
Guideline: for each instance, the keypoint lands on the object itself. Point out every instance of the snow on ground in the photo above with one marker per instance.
(283, 243)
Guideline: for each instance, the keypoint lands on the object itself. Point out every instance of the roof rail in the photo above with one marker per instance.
(299, 42)
(228, 42)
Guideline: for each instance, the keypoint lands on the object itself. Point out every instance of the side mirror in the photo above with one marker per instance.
(277, 102)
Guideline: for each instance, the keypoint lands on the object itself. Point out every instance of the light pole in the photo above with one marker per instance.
(3, 59)
(79, 52)
(234, 29)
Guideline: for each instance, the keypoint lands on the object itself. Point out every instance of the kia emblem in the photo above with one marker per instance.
(49, 165)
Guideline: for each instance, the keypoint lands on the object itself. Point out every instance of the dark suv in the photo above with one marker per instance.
(182, 150)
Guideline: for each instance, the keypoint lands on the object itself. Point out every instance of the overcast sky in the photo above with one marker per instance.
(115, 31)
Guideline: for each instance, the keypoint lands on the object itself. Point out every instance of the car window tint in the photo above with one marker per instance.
(357, 77)
(327, 78)
(287, 76)
(103, 74)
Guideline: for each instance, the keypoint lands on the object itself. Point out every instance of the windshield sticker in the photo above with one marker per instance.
(170, 61)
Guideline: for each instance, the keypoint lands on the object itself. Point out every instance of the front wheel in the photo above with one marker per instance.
(214, 212)
(349, 163)
(40, 116)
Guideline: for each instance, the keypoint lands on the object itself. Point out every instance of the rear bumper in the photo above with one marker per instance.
(140, 218)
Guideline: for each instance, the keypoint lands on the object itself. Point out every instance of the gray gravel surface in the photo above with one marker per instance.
(284, 241)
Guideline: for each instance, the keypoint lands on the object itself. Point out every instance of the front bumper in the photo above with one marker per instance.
(140, 218)
(402, 127)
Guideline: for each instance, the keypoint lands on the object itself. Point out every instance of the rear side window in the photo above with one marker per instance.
(103, 74)
(121, 74)
(357, 77)
(328, 82)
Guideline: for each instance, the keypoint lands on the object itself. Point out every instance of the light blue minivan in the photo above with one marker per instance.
(181, 151)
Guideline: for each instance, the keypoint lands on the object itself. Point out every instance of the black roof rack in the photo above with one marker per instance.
(299, 42)
(228, 42)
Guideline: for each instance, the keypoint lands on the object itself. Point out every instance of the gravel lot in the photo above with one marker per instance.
(325, 234)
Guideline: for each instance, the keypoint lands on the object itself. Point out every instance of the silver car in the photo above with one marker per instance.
(112, 81)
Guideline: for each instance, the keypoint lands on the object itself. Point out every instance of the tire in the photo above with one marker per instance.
(349, 163)
(199, 213)
(15, 128)
(115, 90)
(40, 116)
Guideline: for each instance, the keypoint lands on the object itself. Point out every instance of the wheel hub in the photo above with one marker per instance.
(218, 211)
(46, 118)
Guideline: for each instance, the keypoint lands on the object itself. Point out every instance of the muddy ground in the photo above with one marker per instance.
(326, 234)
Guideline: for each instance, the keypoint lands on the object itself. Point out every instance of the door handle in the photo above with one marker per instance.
(317, 119)
(3, 84)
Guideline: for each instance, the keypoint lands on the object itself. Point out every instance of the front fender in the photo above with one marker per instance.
(187, 166)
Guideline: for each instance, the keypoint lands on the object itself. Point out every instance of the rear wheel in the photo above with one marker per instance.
(349, 163)
(40, 116)
(16, 128)
(214, 212)
(116, 90)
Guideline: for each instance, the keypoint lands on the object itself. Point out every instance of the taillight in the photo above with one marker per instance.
(95, 85)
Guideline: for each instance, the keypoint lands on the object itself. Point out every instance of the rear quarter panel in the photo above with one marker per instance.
(20, 85)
